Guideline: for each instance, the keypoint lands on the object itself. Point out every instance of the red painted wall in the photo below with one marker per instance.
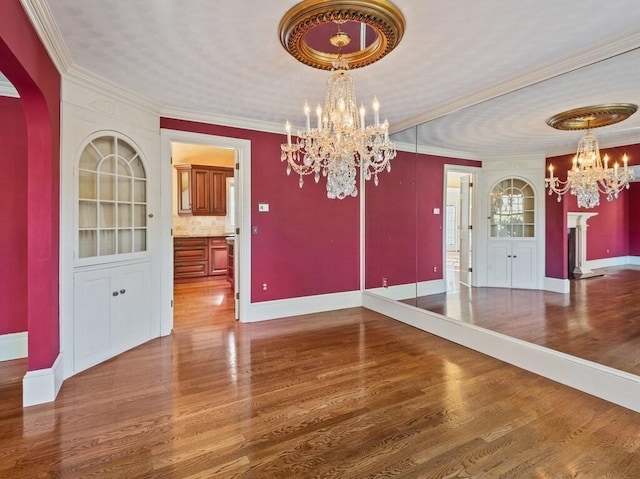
(612, 233)
(403, 235)
(25, 62)
(306, 244)
(13, 217)
(390, 225)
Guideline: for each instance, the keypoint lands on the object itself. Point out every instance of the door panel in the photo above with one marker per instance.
(499, 267)
(465, 231)
(92, 326)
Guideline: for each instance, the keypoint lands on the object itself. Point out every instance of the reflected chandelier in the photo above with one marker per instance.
(340, 142)
(590, 174)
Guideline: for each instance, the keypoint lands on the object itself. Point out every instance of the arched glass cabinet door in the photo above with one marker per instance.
(112, 199)
(513, 209)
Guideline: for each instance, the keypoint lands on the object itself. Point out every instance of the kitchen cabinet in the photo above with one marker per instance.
(199, 257)
(202, 190)
(112, 312)
(190, 257)
(217, 256)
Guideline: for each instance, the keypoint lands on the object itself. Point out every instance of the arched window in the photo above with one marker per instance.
(112, 199)
(512, 209)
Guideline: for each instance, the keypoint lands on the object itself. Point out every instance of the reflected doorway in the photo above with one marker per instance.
(458, 238)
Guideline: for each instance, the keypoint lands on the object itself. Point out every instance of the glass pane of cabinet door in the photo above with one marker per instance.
(112, 199)
(512, 203)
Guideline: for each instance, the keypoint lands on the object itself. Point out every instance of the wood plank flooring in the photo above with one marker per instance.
(347, 394)
(599, 320)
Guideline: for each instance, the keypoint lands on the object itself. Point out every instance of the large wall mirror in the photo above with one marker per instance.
(417, 219)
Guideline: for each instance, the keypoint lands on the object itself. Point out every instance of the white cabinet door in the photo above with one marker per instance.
(511, 264)
(112, 312)
(499, 265)
(523, 265)
(92, 325)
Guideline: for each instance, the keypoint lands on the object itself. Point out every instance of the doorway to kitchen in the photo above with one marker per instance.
(203, 224)
(207, 181)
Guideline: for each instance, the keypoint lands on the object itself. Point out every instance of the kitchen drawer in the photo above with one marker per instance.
(191, 269)
(190, 242)
(191, 254)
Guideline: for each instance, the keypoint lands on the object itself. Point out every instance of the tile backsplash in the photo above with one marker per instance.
(198, 225)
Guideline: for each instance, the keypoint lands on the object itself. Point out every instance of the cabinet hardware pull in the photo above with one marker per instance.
(115, 293)
(122, 291)
(508, 256)
(514, 256)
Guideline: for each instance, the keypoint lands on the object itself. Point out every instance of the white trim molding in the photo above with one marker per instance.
(556, 285)
(283, 308)
(13, 346)
(601, 381)
(42, 385)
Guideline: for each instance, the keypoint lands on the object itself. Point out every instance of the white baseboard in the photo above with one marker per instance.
(556, 285)
(604, 382)
(13, 346)
(608, 262)
(411, 290)
(42, 385)
(634, 260)
(283, 308)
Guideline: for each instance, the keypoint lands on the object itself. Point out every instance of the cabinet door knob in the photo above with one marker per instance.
(508, 256)
(150, 215)
(122, 291)
(115, 293)
(514, 256)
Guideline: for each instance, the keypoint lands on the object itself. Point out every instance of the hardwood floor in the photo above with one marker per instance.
(599, 320)
(347, 394)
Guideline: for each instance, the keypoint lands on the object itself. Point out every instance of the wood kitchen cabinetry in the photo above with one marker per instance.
(202, 190)
(199, 257)
(217, 256)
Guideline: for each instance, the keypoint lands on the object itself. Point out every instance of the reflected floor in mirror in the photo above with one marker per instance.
(598, 320)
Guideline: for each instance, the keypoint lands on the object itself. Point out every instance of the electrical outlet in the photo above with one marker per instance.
(384, 283)
(264, 286)
(435, 269)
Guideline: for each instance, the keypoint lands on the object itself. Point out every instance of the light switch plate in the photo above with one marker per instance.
(263, 207)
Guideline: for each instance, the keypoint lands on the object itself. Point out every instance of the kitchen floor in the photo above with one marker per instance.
(209, 300)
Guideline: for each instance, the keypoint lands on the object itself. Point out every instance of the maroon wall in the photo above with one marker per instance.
(633, 219)
(390, 225)
(25, 62)
(306, 244)
(403, 236)
(13, 217)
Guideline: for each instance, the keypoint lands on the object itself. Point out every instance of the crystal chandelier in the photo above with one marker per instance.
(590, 176)
(341, 142)
(336, 143)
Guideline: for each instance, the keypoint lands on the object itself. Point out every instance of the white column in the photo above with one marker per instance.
(579, 222)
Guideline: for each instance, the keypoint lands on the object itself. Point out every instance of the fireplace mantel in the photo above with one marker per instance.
(578, 220)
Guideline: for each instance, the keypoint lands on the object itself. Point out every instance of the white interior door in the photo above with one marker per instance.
(465, 229)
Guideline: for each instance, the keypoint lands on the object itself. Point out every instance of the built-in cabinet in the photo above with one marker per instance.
(512, 264)
(199, 257)
(202, 190)
(112, 312)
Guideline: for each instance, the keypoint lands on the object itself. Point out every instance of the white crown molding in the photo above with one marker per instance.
(88, 79)
(435, 151)
(223, 120)
(574, 62)
(47, 29)
(7, 89)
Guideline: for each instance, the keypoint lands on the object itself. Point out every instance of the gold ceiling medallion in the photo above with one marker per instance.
(381, 23)
(592, 116)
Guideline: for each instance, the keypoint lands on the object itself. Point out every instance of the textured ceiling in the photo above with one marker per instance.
(453, 70)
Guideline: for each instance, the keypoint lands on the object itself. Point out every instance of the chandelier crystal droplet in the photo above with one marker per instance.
(341, 142)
